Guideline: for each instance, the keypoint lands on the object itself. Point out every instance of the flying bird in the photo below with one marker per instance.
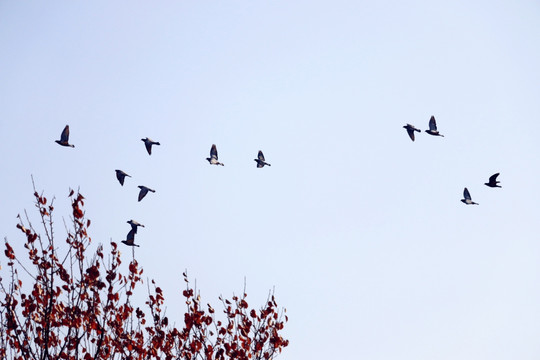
(134, 225)
(410, 130)
(148, 143)
(120, 175)
(213, 159)
(144, 191)
(493, 181)
(433, 127)
(467, 196)
(260, 160)
(64, 138)
(130, 239)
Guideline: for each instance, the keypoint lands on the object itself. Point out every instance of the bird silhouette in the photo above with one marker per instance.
(120, 175)
(148, 143)
(213, 159)
(467, 196)
(64, 138)
(493, 181)
(144, 191)
(410, 130)
(130, 238)
(433, 127)
(260, 160)
(134, 225)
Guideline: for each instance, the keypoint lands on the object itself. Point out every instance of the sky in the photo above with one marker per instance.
(359, 230)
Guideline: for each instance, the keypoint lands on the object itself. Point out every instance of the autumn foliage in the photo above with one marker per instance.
(75, 306)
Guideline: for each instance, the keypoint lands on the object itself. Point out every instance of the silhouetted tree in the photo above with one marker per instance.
(78, 306)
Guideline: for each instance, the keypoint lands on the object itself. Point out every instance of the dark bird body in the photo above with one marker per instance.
(467, 198)
(410, 130)
(130, 239)
(213, 159)
(120, 175)
(493, 181)
(64, 138)
(148, 143)
(260, 160)
(144, 191)
(433, 127)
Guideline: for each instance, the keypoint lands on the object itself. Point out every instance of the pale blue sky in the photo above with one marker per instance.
(360, 230)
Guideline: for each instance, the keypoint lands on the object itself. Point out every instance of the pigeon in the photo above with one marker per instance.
(148, 143)
(467, 197)
(144, 191)
(120, 175)
(410, 130)
(260, 160)
(130, 239)
(433, 127)
(213, 159)
(134, 225)
(493, 181)
(64, 138)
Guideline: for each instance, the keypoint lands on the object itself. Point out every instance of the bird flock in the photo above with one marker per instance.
(411, 129)
(261, 162)
(121, 175)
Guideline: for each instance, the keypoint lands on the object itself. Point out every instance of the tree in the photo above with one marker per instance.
(79, 306)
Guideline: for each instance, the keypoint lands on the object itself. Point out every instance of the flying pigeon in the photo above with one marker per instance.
(260, 161)
(64, 138)
(134, 225)
(148, 143)
(120, 175)
(493, 181)
(213, 159)
(433, 127)
(467, 197)
(130, 239)
(410, 130)
(144, 191)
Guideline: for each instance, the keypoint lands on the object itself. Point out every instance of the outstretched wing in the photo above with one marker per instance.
(120, 175)
(493, 178)
(64, 137)
(432, 124)
(143, 192)
(261, 155)
(213, 152)
(466, 194)
(410, 131)
(130, 238)
(148, 145)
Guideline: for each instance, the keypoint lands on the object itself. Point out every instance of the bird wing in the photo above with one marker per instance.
(120, 175)
(65, 134)
(410, 131)
(213, 152)
(466, 194)
(432, 124)
(148, 144)
(143, 193)
(261, 156)
(130, 238)
(493, 178)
